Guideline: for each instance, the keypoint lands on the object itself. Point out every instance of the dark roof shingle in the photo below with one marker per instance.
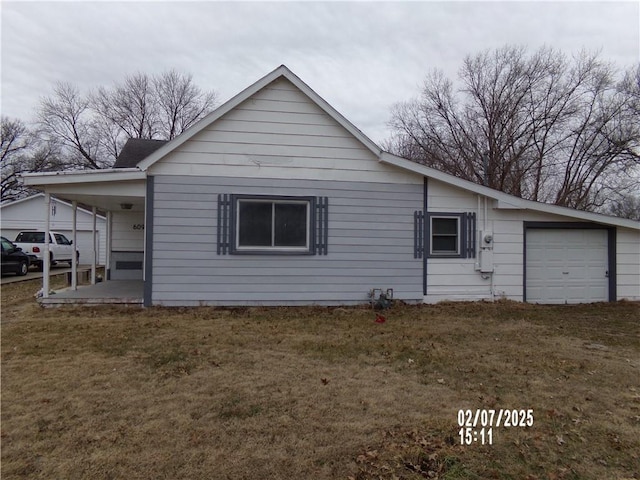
(136, 150)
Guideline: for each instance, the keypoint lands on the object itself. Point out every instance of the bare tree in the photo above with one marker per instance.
(90, 129)
(13, 143)
(627, 207)
(180, 103)
(66, 119)
(539, 126)
(130, 106)
(159, 107)
(22, 151)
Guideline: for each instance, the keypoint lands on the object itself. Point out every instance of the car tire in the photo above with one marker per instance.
(23, 269)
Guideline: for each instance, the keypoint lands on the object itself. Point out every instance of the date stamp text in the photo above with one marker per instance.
(478, 426)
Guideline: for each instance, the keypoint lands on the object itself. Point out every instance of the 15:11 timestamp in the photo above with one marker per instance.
(469, 436)
(478, 427)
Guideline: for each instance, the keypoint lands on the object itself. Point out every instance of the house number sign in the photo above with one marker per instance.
(138, 226)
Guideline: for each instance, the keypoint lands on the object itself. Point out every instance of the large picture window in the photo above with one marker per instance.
(279, 225)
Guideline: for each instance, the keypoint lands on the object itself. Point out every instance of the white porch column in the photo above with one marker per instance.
(74, 263)
(45, 253)
(93, 238)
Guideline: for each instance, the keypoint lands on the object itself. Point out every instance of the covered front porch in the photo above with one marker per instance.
(121, 195)
(113, 292)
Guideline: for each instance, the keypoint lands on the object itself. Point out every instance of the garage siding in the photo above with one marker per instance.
(628, 262)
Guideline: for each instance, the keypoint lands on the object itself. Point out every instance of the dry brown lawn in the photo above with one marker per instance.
(322, 393)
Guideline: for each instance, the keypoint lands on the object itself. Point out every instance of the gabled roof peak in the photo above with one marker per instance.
(281, 71)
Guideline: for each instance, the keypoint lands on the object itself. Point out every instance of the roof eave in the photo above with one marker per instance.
(85, 176)
(505, 200)
(392, 159)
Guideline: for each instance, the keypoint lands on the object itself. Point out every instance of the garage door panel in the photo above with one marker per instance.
(566, 265)
(553, 254)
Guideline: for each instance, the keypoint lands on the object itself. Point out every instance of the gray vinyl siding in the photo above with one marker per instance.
(370, 245)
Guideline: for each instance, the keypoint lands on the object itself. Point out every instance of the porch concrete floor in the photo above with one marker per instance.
(112, 292)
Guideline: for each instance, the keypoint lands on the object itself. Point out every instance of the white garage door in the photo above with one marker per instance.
(567, 266)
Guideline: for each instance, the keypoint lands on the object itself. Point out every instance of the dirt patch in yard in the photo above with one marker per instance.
(318, 392)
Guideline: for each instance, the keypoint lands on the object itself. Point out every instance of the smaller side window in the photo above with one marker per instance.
(445, 236)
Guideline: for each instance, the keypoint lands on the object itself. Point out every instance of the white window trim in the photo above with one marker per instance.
(262, 248)
(458, 235)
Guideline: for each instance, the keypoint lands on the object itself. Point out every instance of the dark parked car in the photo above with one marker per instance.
(13, 258)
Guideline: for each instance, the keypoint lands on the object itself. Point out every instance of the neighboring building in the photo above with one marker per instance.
(29, 214)
(276, 199)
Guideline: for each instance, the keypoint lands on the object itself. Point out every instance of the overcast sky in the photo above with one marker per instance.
(360, 57)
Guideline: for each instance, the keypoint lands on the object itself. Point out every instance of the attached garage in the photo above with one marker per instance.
(569, 263)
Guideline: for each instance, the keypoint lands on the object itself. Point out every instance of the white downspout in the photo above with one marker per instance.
(93, 259)
(484, 219)
(74, 263)
(486, 225)
(107, 261)
(45, 254)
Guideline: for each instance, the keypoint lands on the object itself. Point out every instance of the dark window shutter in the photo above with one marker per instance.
(470, 230)
(322, 226)
(418, 234)
(224, 224)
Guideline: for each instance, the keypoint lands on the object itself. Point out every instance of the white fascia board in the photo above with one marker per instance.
(502, 205)
(84, 176)
(281, 71)
(391, 159)
(581, 214)
(506, 201)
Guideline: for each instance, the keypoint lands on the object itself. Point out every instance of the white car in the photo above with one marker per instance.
(60, 247)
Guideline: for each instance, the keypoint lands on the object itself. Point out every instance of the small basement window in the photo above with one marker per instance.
(445, 235)
(277, 225)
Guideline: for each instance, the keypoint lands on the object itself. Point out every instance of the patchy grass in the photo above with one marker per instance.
(317, 392)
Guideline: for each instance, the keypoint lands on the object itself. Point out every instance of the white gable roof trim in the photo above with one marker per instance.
(281, 71)
(505, 200)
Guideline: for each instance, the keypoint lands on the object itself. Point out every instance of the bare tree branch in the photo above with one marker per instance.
(541, 126)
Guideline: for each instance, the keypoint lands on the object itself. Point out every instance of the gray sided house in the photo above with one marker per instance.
(276, 199)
